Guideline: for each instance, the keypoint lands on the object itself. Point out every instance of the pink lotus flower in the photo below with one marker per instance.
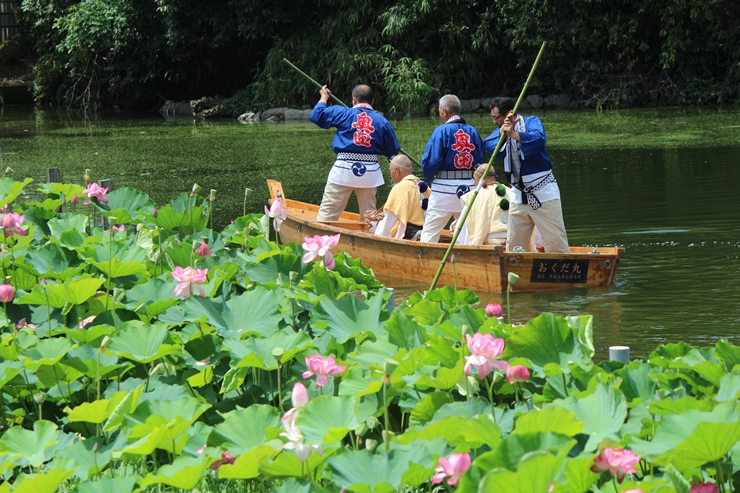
(96, 191)
(120, 227)
(226, 458)
(636, 490)
(452, 468)
(484, 351)
(277, 213)
(12, 224)
(7, 293)
(517, 373)
(494, 310)
(75, 199)
(318, 247)
(203, 250)
(85, 322)
(188, 278)
(704, 488)
(619, 462)
(324, 368)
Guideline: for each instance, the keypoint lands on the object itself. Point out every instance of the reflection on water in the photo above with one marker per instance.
(664, 192)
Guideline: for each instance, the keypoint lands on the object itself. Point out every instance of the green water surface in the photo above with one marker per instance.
(660, 182)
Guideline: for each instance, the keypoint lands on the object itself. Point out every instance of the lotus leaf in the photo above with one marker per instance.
(56, 295)
(728, 353)
(107, 484)
(636, 383)
(534, 474)
(327, 419)
(46, 482)
(358, 470)
(603, 412)
(550, 418)
(76, 223)
(515, 448)
(141, 343)
(259, 353)
(245, 429)
(53, 261)
(550, 339)
(10, 189)
(19, 443)
(247, 464)
(125, 203)
(185, 472)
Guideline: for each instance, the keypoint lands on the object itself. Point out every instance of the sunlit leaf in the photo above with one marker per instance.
(553, 419)
(20, 443)
(327, 419)
(56, 295)
(185, 473)
(142, 343)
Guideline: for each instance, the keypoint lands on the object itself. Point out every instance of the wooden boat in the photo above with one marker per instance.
(479, 268)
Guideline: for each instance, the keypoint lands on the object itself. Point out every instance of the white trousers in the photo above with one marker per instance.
(549, 221)
(336, 197)
(434, 223)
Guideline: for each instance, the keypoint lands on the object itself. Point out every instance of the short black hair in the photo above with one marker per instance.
(504, 105)
(363, 93)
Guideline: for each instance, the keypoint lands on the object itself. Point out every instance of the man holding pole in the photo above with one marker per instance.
(528, 169)
(450, 156)
(362, 135)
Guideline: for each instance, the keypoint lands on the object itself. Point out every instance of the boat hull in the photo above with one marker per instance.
(479, 268)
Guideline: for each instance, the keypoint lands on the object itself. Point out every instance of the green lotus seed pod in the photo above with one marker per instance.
(500, 190)
(504, 204)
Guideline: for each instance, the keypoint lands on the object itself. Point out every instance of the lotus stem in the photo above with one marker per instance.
(720, 476)
(386, 416)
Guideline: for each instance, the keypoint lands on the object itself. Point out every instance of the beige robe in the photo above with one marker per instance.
(485, 222)
(405, 202)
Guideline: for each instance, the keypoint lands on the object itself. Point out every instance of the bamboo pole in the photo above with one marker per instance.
(337, 100)
(501, 140)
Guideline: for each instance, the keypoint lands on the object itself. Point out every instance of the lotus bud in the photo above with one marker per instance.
(494, 310)
(7, 293)
(513, 277)
(155, 212)
(500, 190)
(299, 398)
(39, 397)
(504, 204)
(248, 193)
(517, 373)
(196, 188)
(95, 447)
(104, 342)
(453, 259)
(75, 199)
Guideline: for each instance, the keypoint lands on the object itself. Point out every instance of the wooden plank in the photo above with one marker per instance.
(53, 175)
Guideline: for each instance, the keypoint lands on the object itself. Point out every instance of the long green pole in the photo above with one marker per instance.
(336, 99)
(501, 140)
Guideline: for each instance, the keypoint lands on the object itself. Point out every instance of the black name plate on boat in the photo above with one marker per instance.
(559, 270)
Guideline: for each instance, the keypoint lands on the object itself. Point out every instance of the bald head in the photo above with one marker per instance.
(400, 167)
(362, 93)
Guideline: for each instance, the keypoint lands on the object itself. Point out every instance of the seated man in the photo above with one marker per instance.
(486, 222)
(403, 215)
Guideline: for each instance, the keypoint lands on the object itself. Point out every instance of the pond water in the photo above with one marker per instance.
(659, 182)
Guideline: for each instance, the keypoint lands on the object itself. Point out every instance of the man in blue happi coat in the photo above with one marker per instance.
(451, 155)
(529, 171)
(362, 135)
